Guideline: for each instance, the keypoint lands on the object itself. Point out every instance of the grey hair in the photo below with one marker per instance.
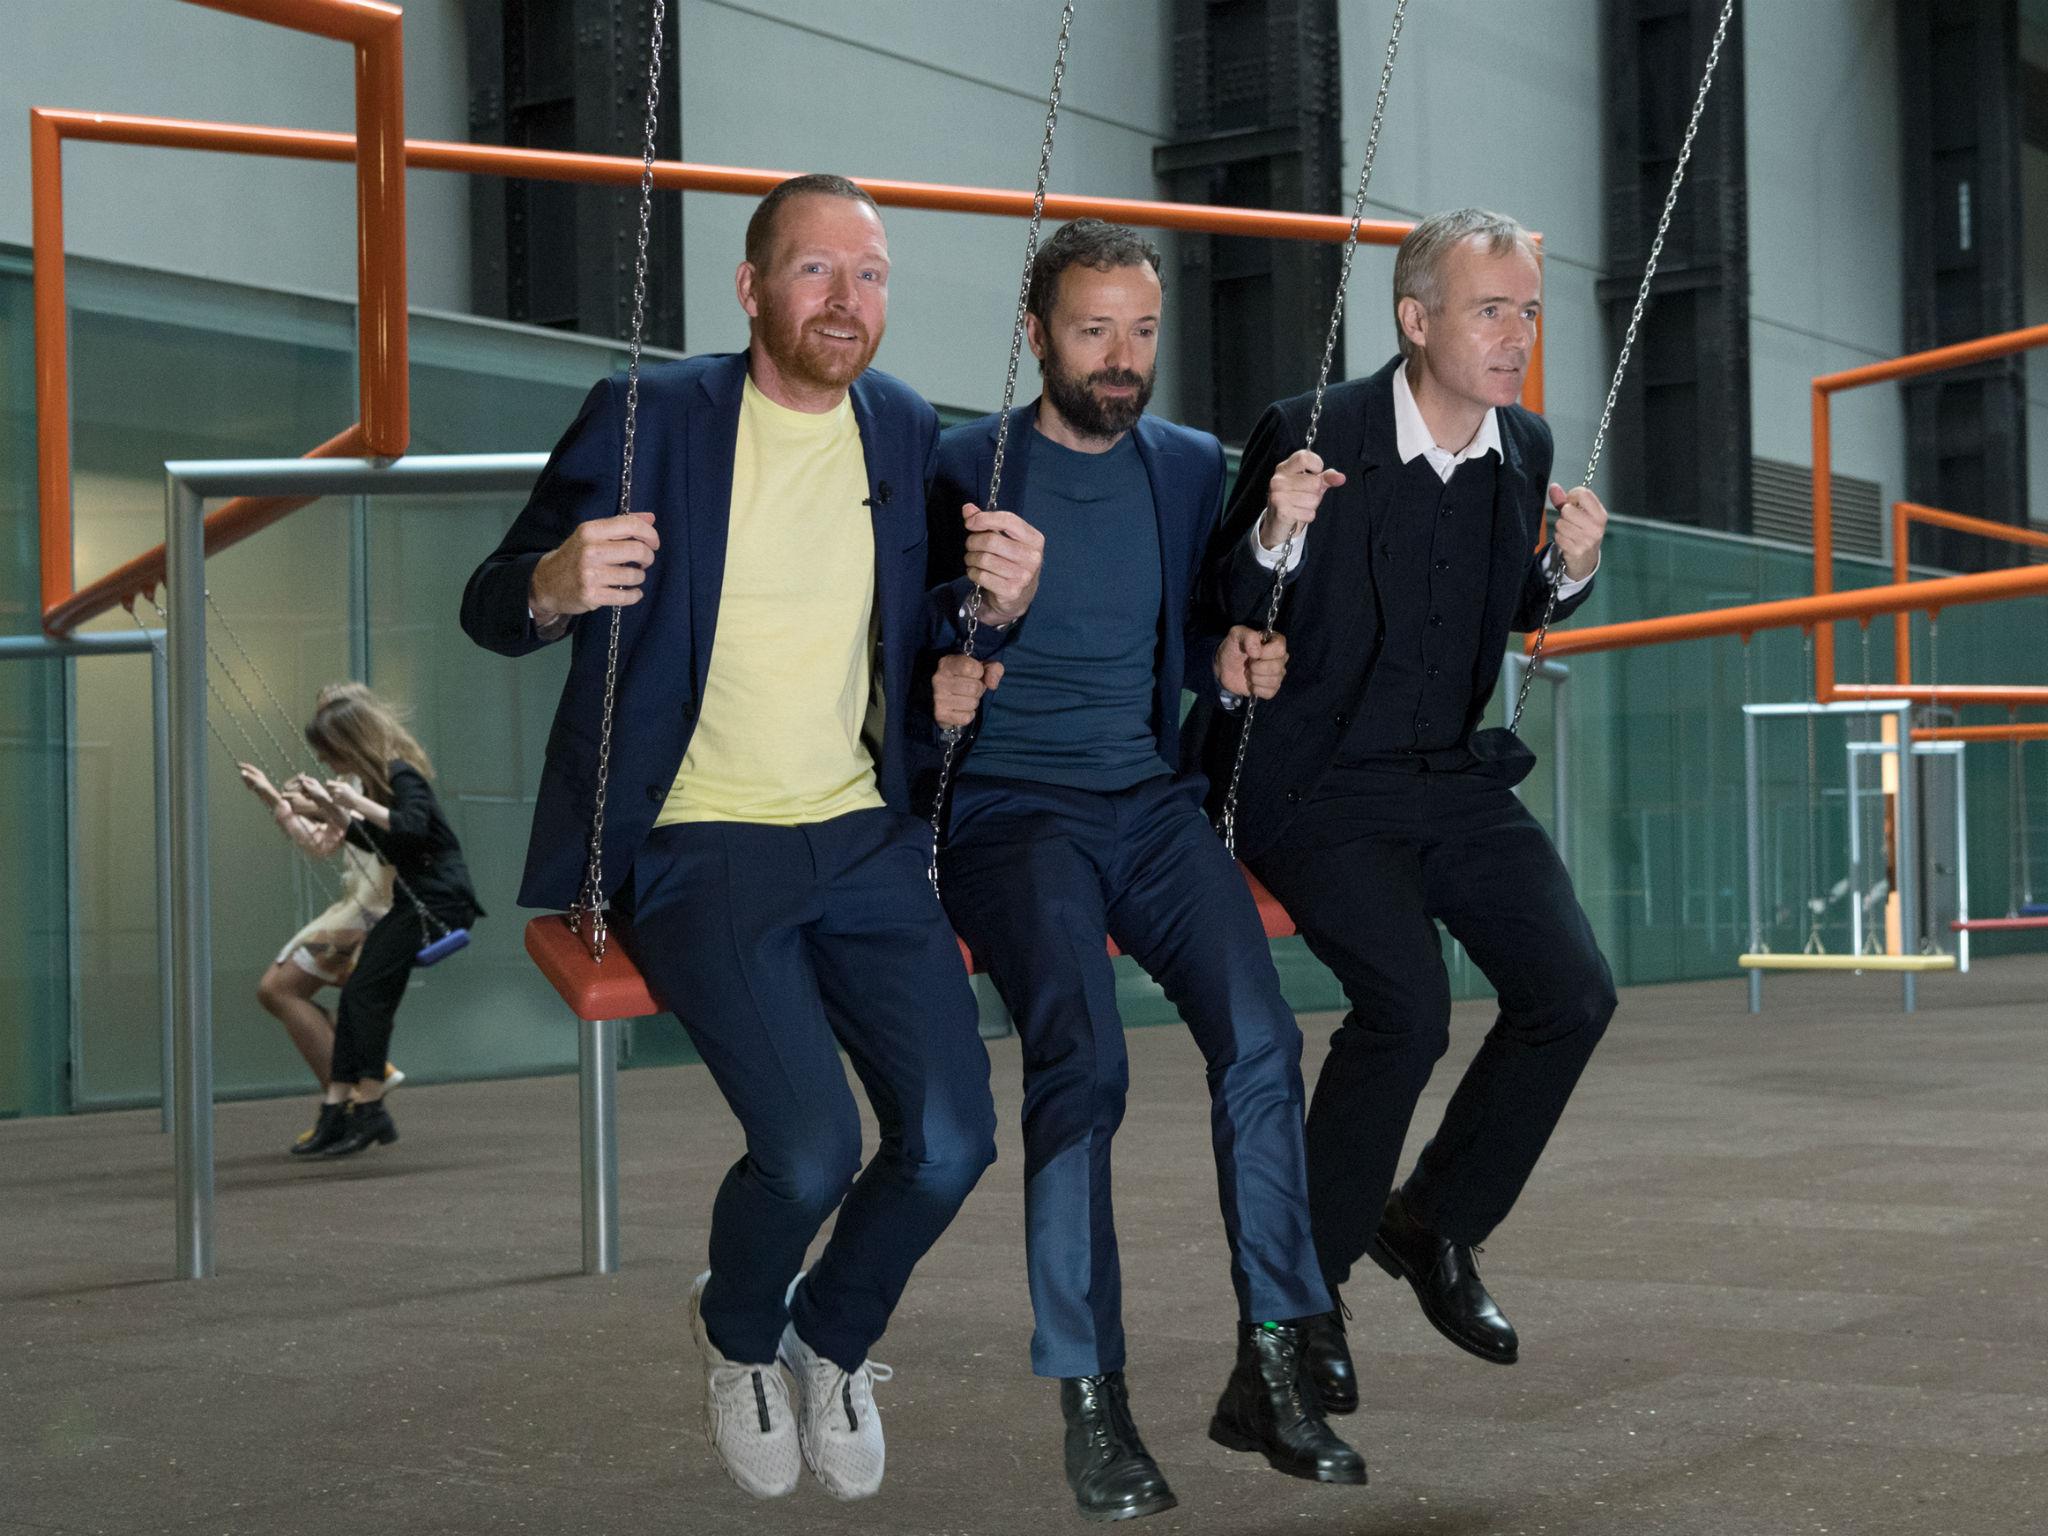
(1419, 266)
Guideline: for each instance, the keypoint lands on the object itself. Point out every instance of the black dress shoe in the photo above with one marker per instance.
(1328, 1354)
(368, 1125)
(1270, 1406)
(327, 1130)
(1112, 1474)
(1446, 1282)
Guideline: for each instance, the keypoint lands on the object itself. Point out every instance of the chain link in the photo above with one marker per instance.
(591, 907)
(1558, 574)
(325, 875)
(953, 733)
(1315, 411)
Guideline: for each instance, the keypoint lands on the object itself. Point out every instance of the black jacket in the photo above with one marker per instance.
(421, 846)
(1330, 613)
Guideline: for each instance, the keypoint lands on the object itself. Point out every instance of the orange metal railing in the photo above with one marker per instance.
(1904, 515)
(373, 29)
(384, 428)
(1901, 597)
(1912, 365)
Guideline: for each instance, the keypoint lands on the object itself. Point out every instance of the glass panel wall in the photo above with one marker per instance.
(174, 368)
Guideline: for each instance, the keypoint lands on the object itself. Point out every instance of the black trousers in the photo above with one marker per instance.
(368, 1010)
(1367, 869)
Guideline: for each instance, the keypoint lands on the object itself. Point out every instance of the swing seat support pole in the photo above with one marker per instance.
(1908, 825)
(597, 1060)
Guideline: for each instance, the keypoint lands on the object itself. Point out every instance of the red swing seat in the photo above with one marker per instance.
(615, 989)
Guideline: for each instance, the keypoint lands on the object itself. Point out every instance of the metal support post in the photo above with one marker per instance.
(1752, 817)
(359, 588)
(160, 740)
(190, 978)
(1908, 860)
(598, 1082)
(1852, 757)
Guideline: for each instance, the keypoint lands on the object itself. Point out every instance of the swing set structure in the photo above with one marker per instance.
(368, 457)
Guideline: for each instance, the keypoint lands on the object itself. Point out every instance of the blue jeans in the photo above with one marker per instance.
(776, 946)
(1033, 876)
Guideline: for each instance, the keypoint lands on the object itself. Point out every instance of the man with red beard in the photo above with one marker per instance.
(758, 852)
(1068, 820)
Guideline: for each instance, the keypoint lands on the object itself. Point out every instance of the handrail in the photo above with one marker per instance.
(1904, 515)
(1910, 366)
(383, 427)
(2018, 730)
(1816, 612)
(64, 608)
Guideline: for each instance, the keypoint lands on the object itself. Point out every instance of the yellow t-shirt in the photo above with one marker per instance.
(779, 737)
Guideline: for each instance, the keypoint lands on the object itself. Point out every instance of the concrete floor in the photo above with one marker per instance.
(1777, 1275)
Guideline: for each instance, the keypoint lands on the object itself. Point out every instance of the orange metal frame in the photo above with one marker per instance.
(1913, 365)
(374, 30)
(1901, 597)
(383, 431)
(1904, 515)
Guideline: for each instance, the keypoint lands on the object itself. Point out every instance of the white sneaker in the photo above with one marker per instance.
(836, 1421)
(747, 1415)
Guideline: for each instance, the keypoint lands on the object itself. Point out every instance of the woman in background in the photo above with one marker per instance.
(393, 815)
(323, 953)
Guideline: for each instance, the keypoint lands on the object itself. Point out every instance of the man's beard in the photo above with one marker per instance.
(1074, 397)
(807, 359)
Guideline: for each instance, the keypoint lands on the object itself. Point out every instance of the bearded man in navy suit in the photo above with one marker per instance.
(1068, 819)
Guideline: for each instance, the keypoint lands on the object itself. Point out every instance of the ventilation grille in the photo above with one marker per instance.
(1781, 507)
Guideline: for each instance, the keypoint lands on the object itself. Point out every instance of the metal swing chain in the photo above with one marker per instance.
(319, 867)
(262, 681)
(1558, 574)
(592, 904)
(1315, 410)
(953, 733)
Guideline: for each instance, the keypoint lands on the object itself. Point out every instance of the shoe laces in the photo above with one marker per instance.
(730, 1385)
(852, 1392)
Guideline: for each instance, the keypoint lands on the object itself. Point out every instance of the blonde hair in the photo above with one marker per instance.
(1419, 265)
(360, 733)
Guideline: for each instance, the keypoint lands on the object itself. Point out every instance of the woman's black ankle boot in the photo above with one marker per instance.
(327, 1130)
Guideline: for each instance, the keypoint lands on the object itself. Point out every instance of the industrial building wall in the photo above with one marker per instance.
(277, 223)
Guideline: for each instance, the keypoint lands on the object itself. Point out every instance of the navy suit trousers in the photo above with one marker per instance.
(776, 946)
(1366, 870)
(1033, 875)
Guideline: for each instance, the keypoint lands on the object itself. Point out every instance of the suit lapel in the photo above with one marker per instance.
(708, 478)
(1162, 471)
(1380, 471)
(1016, 461)
(1513, 539)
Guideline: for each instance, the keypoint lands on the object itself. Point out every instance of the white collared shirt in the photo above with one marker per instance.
(1412, 440)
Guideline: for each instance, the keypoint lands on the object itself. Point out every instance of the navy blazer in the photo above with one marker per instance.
(1186, 471)
(683, 463)
(1331, 609)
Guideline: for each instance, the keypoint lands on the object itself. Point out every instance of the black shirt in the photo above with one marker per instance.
(421, 845)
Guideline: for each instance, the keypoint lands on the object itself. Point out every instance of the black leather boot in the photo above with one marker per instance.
(1112, 1474)
(327, 1130)
(1446, 1282)
(368, 1125)
(1329, 1360)
(1269, 1406)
